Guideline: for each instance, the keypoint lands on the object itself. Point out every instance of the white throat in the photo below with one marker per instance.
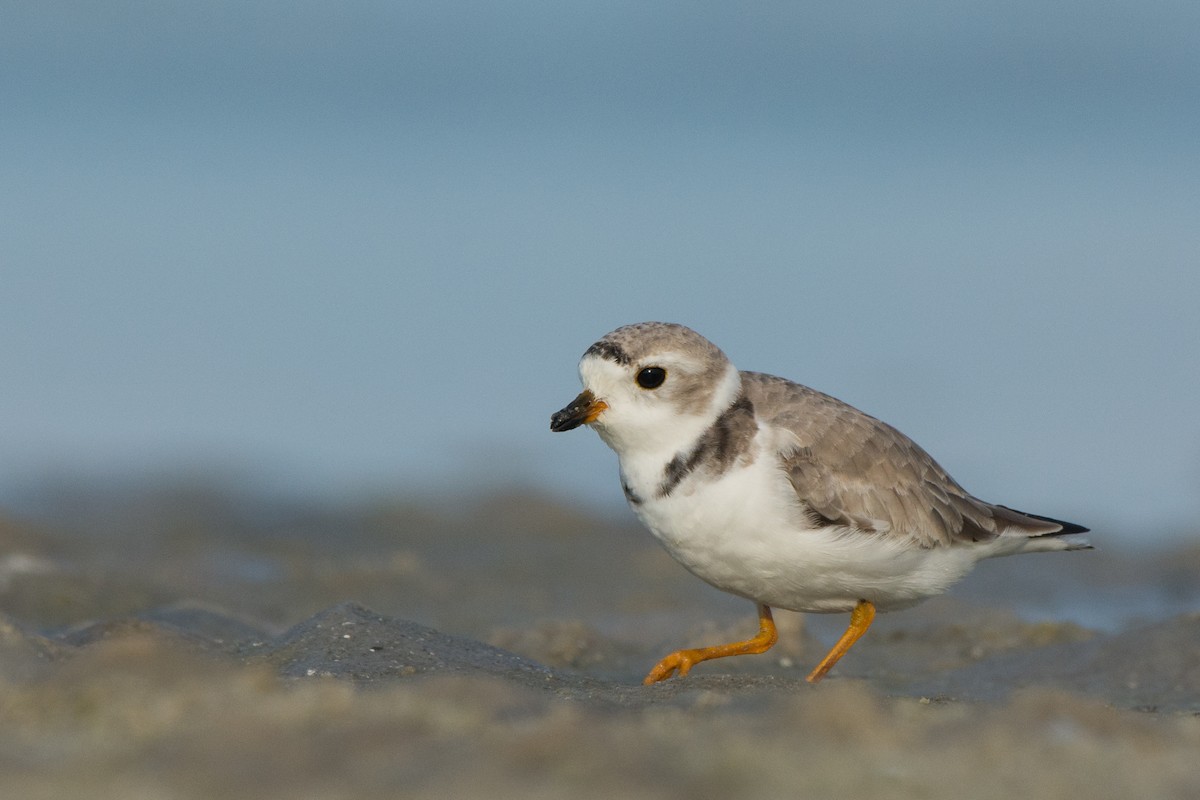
(647, 436)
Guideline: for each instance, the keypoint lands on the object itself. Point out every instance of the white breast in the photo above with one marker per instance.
(745, 533)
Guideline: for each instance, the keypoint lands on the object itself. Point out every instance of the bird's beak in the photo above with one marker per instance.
(583, 410)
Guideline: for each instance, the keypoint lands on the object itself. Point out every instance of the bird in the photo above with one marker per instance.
(781, 494)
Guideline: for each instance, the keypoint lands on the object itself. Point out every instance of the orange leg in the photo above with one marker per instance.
(860, 619)
(683, 660)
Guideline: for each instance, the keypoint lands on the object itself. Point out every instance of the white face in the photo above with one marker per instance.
(662, 403)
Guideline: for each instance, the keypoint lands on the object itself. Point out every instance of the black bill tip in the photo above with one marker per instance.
(581, 411)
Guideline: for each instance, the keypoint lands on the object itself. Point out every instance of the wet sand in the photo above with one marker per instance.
(194, 645)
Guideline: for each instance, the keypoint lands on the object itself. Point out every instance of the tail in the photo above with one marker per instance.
(1048, 530)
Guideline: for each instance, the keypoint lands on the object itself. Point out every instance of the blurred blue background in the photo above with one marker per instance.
(337, 249)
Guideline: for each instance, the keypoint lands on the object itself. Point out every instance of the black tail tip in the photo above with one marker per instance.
(1067, 527)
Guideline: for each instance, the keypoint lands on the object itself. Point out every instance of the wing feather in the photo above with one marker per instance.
(853, 470)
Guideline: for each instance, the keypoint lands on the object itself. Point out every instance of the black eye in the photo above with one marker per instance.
(651, 377)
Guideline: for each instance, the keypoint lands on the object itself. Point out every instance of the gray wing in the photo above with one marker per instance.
(850, 469)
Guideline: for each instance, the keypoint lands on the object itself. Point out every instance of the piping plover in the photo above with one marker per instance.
(781, 494)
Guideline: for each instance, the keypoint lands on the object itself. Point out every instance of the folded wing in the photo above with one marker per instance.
(854, 471)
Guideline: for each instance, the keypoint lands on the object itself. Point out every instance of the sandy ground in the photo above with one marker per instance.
(192, 644)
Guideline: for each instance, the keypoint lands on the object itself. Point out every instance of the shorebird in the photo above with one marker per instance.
(780, 494)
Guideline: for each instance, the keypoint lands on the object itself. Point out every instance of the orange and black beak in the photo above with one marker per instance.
(583, 410)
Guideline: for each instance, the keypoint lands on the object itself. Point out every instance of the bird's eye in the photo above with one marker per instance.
(651, 377)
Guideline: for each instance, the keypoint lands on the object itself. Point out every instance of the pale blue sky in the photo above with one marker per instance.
(360, 246)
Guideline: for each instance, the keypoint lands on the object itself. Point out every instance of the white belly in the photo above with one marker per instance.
(746, 534)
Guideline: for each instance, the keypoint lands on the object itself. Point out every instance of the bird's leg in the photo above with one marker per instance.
(683, 660)
(860, 620)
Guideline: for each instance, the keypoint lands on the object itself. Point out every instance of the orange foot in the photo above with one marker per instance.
(860, 619)
(681, 661)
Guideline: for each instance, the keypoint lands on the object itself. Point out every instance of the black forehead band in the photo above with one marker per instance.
(610, 350)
